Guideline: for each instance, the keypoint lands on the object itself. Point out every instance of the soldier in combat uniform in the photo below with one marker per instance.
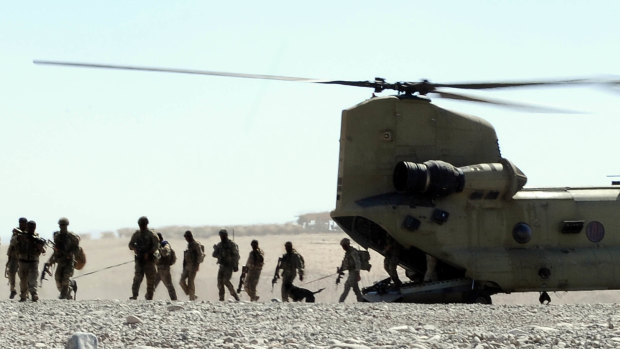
(254, 266)
(29, 247)
(351, 262)
(163, 267)
(227, 254)
(392, 258)
(12, 263)
(145, 245)
(292, 263)
(66, 249)
(192, 257)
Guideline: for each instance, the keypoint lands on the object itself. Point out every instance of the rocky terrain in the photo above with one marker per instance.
(207, 324)
(572, 320)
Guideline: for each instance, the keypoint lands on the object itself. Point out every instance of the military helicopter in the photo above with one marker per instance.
(433, 182)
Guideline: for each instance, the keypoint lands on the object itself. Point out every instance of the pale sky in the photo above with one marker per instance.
(104, 147)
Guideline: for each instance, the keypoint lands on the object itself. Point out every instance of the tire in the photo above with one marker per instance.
(481, 298)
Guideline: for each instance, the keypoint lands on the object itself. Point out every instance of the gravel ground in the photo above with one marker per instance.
(165, 324)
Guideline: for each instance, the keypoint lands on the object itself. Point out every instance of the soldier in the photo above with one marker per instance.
(12, 263)
(145, 245)
(192, 257)
(166, 259)
(392, 254)
(351, 262)
(66, 249)
(254, 266)
(292, 263)
(29, 247)
(431, 271)
(227, 254)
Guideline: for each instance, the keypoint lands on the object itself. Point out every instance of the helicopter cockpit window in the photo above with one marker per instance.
(522, 233)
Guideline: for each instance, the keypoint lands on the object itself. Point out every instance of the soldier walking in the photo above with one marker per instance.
(29, 247)
(227, 254)
(192, 257)
(291, 264)
(166, 259)
(392, 258)
(351, 262)
(145, 245)
(12, 263)
(66, 249)
(254, 266)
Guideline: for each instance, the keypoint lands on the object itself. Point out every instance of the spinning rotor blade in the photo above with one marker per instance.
(179, 71)
(422, 87)
(492, 85)
(521, 106)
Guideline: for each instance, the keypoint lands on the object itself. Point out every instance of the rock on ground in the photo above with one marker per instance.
(165, 324)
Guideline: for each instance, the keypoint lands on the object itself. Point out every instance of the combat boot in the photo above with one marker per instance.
(35, 298)
(13, 294)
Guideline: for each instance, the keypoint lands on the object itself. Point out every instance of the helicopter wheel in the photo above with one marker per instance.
(481, 298)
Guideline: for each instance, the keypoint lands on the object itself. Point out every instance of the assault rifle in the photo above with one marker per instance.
(244, 272)
(40, 240)
(340, 273)
(139, 251)
(276, 275)
(46, 270)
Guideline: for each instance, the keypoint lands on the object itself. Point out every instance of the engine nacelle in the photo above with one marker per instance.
(438, 178)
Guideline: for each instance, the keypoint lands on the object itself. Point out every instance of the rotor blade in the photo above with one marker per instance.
(179, 71)
(491, 85)
(522, 106)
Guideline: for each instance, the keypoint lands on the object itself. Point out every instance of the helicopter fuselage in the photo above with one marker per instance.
(434, 181)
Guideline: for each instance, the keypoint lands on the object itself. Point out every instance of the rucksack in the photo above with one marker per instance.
(173, 257)
(80, 259)
(201, 257)
(364, 260)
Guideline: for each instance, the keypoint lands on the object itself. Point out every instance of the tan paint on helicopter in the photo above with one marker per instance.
(478, 238)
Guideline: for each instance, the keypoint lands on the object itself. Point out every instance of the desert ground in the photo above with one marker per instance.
(321, 252)
(572, 320)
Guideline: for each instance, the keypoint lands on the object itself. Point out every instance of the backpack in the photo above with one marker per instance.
(364, 260)
(173, 257)
(80, 259)
(201, 257)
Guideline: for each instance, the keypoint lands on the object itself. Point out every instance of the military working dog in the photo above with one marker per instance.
(299, 294)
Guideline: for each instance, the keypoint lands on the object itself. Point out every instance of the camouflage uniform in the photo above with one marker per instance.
(191, 264)
(431, 272)
(66, 248)
(351, 262)
(227, 254)
(163, 269)
(254, 264)
(145, 244)
(392, 258)
(12, 263)
(292, 262)
(29, 248)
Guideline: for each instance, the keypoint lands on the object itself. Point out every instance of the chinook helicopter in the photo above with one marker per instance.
(433, 183)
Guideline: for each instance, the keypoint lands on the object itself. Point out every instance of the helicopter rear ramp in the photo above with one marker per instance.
(448, 291)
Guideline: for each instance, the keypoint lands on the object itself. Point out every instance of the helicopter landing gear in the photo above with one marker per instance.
(544, 296)
(480, 298)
